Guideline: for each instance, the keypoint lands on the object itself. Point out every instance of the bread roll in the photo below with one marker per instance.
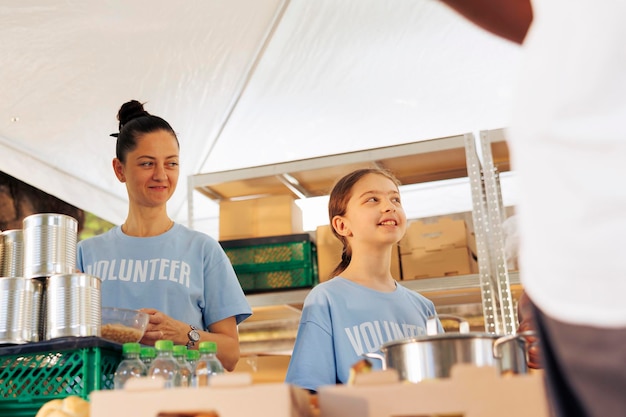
(47, 409)
(72, 406)
(359, 367)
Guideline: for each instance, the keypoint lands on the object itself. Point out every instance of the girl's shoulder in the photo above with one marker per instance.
(340, 289)
(414, 295)
(328, 289)
(324, 287)
(333, 284)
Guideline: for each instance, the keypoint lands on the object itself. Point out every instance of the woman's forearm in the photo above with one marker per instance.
(509, 19)
(225, 334)
(227, 348)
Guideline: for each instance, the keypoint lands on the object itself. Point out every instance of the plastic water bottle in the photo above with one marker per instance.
(208, 364)
(164, 365)
(148, 353)
(186, 373)
(130, 366)
(192, 360)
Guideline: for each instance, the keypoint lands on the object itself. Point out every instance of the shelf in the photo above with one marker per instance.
(442, 291)
(288, 297)
(412, 163)
(454, 291)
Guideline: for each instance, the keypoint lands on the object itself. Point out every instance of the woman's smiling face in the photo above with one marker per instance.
(151, 170)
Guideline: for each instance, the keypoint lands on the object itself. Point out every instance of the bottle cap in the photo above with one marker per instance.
(193, 355)
(180, 350)
(164, 345)
(207, 347)
(148, 352)
(131, 347)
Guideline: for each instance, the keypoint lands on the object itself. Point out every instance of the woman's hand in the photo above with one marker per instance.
(163, 327)
(224, 333)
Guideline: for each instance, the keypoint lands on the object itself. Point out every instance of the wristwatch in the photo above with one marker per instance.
(193, 336)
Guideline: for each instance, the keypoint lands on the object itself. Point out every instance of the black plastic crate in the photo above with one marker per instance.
(35, 373)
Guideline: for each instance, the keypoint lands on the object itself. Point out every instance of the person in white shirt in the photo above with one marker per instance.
(568, 146)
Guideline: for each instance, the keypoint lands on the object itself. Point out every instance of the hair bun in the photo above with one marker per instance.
(129, 111)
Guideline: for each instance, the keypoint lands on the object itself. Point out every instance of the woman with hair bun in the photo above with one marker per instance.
(363, 306)
(182, 278)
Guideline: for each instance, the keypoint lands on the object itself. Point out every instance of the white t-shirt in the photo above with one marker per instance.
(568, 141)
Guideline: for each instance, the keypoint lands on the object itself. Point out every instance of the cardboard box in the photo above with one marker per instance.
(469, 392)
(264, 369)
(441, 263)
(233, 395)
(329, 254)
(259, 217)
(446, 233)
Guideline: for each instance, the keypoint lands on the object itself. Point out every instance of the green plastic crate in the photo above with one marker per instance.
(261, 281)
(272, 252)
(35, 373)
(273, 263)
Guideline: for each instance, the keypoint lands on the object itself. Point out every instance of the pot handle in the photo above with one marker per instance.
(371, 355)
(431, 323)
(497, 351)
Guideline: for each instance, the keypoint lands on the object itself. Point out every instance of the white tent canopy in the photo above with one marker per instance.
(243, 82)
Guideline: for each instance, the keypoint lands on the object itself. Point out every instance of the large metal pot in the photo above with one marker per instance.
(433, 356)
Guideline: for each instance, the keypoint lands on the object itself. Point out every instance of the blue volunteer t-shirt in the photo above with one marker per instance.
(341, 320)
(182, 272)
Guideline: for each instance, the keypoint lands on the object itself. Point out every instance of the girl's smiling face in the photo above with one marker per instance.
(374, 211)
(151, 170)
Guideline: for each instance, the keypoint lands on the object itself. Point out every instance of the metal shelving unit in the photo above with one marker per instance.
(499, 278)
(417, 162)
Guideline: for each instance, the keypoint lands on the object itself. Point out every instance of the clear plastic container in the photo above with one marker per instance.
(130, 366)
(164, 365)
(208, 364)
(186, 372)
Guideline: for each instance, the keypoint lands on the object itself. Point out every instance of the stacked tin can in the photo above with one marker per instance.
(11, 253)
(42, 297)
(20, 299)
